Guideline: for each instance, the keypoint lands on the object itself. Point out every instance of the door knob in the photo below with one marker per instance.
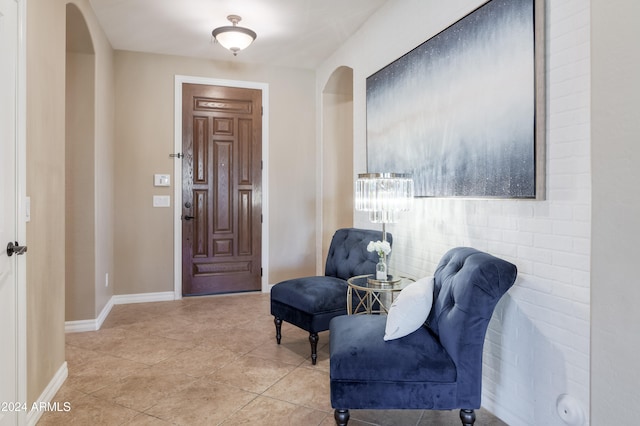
(15, 248)
(187, 217)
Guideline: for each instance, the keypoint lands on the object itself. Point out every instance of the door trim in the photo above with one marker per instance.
(177, 173)
(21, 186)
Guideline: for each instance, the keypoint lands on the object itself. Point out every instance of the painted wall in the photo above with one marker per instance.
(46, 187)
(538, 343)
(90, 212)
(337, 159)
(615, 318)
(144, 140)
(104, 159)
(80, 190)
(46, 182)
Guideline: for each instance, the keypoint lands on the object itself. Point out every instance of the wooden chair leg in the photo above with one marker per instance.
(278, 322)
(313, 339)
(468, 417)
(341, 417)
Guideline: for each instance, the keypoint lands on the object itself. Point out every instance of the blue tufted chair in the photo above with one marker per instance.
(437, 367)
(311, 302)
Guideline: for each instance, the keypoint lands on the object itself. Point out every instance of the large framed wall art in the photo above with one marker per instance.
(464, 112)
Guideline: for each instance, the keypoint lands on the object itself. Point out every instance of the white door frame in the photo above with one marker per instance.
(177, 173)
(23, 208)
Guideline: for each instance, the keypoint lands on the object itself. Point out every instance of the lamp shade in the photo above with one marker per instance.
(233, 37)
(383, 195)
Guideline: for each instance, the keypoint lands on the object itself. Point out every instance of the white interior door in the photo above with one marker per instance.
(8, 215)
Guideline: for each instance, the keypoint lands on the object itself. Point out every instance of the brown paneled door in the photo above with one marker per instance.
(221, 189)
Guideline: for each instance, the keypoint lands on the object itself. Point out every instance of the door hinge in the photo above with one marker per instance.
(260, 271)
(178, 155)
(261, 218)
(261, 110)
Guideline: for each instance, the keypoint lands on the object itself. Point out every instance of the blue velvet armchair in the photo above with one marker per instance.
(437, 367)
(311, 302)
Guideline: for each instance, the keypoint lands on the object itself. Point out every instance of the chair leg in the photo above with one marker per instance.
(468, 417)
(341, 416)
(313, 339)
(278, 322)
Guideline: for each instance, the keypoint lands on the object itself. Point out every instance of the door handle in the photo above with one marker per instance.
(15, 248)
(187, 217)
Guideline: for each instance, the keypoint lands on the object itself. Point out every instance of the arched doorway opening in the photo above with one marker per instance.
(337, 154)
(80, 212)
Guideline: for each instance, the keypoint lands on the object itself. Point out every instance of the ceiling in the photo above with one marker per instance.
(294, 33)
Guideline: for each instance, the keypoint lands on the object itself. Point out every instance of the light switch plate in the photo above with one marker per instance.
(161, 201)
(161, 180)
(27, 209)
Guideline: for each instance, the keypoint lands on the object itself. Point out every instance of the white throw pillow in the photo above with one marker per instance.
(410, 310)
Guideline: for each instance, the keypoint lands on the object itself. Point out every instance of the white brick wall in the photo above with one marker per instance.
(538, 344)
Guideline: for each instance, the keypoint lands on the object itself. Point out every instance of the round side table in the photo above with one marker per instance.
(372, 296)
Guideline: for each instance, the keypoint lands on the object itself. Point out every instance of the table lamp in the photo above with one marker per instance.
(384, 195)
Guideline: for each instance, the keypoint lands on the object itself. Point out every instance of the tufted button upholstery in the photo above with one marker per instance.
(348, 255)
(466, 281)
(439, 366)
(311, 302)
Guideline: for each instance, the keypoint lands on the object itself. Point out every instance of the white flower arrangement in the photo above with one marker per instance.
(382, 247)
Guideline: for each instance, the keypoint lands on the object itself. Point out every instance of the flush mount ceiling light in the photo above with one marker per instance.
(233, 37)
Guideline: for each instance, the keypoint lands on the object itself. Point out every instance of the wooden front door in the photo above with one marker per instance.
(221, 189)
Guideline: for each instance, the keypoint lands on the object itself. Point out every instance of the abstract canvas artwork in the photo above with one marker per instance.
(463, 113)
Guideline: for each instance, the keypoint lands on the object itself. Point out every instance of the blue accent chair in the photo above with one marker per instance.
(311, 302)
(437, 367)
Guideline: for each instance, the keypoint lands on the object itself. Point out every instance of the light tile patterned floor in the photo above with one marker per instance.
(207, 361)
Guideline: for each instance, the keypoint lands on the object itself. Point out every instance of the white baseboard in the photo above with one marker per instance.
(104, 313)
(79, 326)
(161, 296)
(118, 299)
(89, 325)
(47, 395)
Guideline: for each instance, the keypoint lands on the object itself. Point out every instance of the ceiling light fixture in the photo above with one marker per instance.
(233, 37)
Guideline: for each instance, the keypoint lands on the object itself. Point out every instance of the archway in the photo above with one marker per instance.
(337, 154)
(79, 169)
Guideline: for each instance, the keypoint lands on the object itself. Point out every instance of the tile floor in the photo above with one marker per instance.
(207, 361)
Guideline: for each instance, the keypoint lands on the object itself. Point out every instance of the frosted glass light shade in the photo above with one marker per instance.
(233, 37)
(383, 195)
